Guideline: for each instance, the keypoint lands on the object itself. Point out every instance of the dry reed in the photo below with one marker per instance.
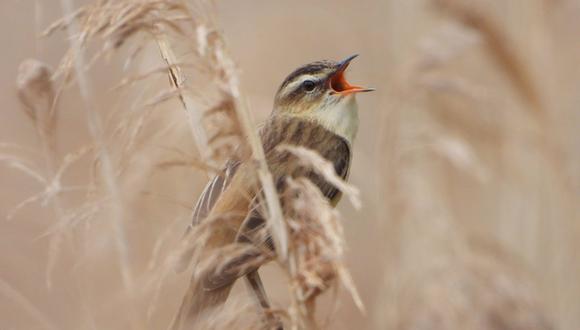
(469, 217)
(221, 131)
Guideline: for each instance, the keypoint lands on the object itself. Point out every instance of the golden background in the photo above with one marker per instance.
(467, 160)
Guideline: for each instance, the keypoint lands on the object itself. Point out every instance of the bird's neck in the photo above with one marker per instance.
(341, 118)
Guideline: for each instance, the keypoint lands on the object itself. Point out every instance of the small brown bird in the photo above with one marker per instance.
(315, 107)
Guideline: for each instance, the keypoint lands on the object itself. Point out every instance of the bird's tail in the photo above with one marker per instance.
(196, 302)
(210, 290)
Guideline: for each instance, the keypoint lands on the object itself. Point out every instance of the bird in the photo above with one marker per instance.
(315, 107)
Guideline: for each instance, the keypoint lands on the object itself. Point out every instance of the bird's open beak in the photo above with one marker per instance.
(338, 83)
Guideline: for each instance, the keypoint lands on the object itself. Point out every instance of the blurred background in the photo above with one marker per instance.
(467, 160)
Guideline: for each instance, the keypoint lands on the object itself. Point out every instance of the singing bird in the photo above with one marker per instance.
(315, 108)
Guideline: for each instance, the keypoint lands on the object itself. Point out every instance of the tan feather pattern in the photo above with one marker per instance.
(233, 192)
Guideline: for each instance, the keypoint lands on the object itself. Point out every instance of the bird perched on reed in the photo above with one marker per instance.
(315, 108)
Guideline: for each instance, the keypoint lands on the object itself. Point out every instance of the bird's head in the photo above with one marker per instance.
(320, 92)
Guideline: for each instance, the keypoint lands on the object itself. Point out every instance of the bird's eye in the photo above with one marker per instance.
(308, 85)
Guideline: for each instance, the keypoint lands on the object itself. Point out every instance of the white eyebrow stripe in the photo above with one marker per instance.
(298, 81)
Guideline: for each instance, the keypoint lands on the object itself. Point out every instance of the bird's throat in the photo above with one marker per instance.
(340, 118)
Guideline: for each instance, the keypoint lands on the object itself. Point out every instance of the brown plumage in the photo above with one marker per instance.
(307, 107)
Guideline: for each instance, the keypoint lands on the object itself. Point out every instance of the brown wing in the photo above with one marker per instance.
(282, 164)
(205, 203)
(284, 130)
(212, 192)
(276, 132)
(279, 131)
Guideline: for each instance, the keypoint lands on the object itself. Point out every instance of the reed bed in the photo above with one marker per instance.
(462, 207)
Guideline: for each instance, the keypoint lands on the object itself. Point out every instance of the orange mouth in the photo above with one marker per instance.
(338, 82)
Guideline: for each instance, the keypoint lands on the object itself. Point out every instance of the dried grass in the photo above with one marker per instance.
(474, 225)
(227, 121)
(461, 155)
